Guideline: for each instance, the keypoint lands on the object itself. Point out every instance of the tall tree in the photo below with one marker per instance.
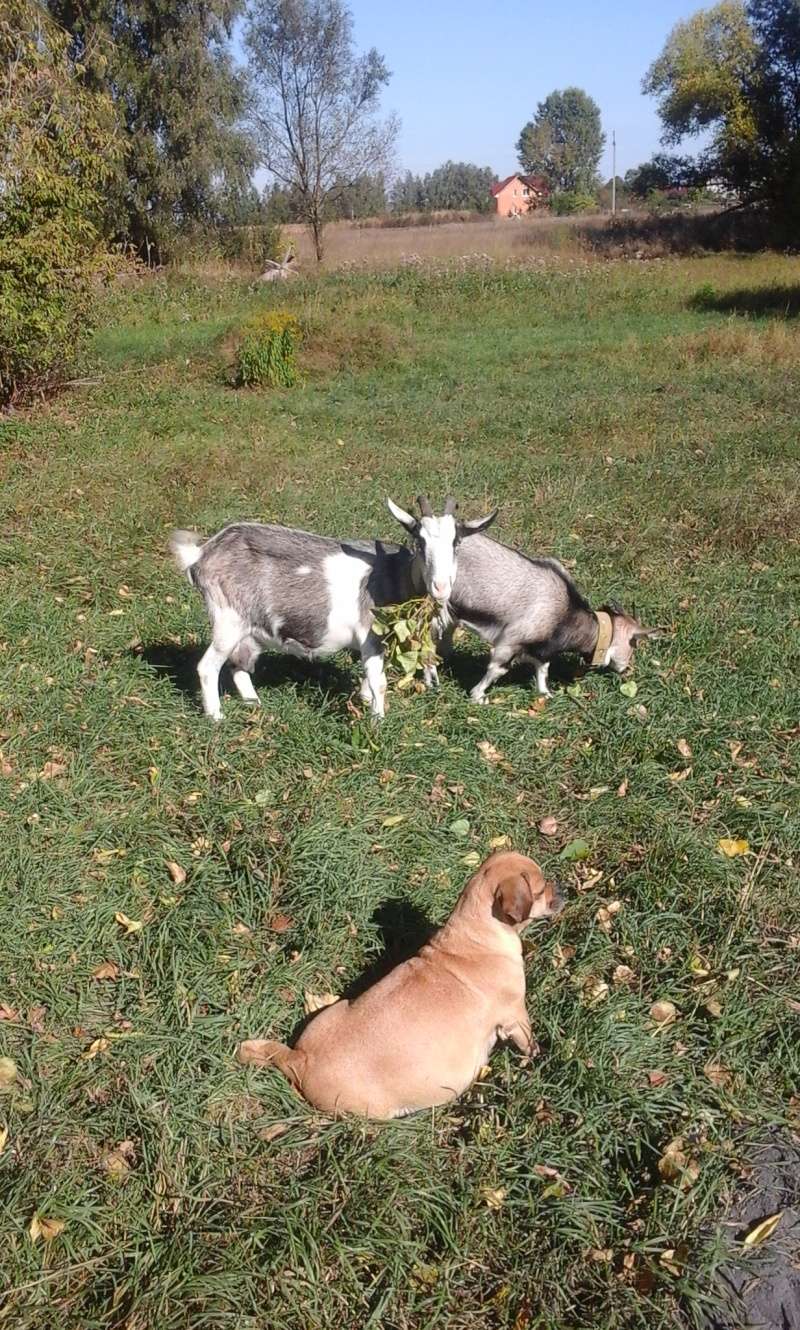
(733, 72)
(167, 65)
(460, 185)
(317, 102)
(564, 141)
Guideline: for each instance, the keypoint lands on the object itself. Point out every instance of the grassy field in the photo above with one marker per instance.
(640, 422)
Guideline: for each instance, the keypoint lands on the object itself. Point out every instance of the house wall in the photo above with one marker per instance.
(515, 198)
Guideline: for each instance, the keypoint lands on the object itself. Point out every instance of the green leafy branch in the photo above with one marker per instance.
(407, 634)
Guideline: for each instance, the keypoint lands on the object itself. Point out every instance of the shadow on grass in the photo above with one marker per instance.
(404, 930)
(780, 301)
(467, 669)
(179, 665)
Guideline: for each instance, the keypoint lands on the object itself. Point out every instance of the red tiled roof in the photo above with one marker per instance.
(536, 182)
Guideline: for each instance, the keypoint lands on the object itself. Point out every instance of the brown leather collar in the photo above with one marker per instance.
(605, 632)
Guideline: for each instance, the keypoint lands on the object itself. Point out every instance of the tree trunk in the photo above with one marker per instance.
(316, 224)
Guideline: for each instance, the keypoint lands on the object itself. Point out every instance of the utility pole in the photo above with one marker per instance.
(613, 171)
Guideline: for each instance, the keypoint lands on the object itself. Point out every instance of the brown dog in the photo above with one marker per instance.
(420, 1036)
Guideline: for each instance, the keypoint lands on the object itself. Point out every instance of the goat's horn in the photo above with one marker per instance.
(450, 506)
(425, 505)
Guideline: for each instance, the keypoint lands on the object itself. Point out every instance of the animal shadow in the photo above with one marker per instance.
(179, 665)
(403, 930)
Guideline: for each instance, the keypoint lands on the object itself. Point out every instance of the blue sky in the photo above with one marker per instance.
(467, 75)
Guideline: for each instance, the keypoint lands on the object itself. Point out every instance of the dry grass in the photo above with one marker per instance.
(769, 343)
(497, 238)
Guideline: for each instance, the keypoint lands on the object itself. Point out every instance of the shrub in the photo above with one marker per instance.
(253, 244)
(57, 149)
(569, 201)
(267, 352)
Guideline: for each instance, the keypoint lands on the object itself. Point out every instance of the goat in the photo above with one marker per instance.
(530, 609)
(307, 595)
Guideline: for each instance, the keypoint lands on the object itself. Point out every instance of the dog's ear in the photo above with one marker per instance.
(513, 899)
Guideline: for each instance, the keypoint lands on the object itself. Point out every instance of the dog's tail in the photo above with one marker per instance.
(186, 548)
(269, 1053)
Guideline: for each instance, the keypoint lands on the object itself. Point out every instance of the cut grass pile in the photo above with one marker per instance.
(170, 887)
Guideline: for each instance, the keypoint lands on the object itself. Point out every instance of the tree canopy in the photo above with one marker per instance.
(316, 102)
(451, 186)
(733, 71)
(167, 66)
(564, 141)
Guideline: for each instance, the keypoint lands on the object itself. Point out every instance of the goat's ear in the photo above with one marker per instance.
(475, 524)
(513, 899)
(405, 519)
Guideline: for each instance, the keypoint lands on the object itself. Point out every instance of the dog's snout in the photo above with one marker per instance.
(557, 901)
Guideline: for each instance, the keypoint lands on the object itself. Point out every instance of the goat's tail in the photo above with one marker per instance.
(269, 1053)
(186, 548)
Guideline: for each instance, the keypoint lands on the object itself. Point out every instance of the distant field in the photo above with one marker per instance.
(500, 238)
(637, 420)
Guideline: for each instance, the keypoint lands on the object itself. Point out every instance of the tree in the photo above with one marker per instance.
(734, 71)
(662, 172)
(364, 197)
(167, 66)
(316, 109)
(564, 141)
(57, 152)
(408, 194)
(456, 185)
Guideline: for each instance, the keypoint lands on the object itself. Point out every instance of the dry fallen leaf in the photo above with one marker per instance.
(494, 1196)
(763, 1230)
(548, 826)
(623, 974)
(52, 769)
(594, 990)
(8, 1013)
(316, 1001)
(677, 776)
(622, 789)
(118, 1161)
(106, 970)
(684, 749)
(489, 752)
(657, 1078)
(716, 1073)
(6, 769)
(274, 1130)
(663, 1013)
(42, 1227)
(3, 1138)
(730, 848)
(280, 923)
(241, 929)
(394, 820)
(713, 1008)
(676, 1166)
(177, 873)
(96, 1046)
(497, 842)
(472, 859)
(130, 925)
(8, 1072)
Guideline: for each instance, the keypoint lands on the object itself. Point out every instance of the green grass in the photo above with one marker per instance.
(651, 443)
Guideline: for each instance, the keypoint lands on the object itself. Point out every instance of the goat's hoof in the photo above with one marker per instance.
(480, 700)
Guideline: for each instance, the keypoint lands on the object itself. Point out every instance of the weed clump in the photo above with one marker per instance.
(266, 356)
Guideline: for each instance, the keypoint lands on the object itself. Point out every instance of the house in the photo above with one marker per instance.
(518, 194)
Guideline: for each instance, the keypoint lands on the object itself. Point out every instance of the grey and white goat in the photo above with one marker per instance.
(276, 587)
(531, 610)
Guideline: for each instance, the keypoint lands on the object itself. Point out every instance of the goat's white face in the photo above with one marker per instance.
(437, 540)
(627, 632)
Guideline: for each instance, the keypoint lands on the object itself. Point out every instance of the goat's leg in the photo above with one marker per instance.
(375, 680)
(499, 662)
(442, 635)
(243, 661)
(542, 669)
(227, 631)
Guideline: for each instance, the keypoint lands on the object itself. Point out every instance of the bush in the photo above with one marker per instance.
(267, 353)
(253, 244)
(57, 150)
(569, 202)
